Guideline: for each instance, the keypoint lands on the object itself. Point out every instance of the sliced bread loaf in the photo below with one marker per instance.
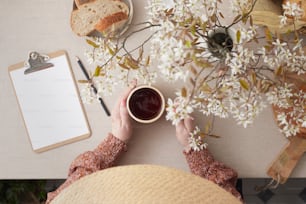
(87, 16)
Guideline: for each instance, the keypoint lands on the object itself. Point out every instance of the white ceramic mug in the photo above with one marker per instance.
(145, 104)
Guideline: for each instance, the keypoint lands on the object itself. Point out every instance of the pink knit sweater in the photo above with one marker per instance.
(201, 163)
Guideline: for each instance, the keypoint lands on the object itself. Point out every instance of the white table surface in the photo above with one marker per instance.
(44, 26)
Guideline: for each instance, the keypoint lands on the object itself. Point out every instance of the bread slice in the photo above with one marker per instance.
(111, 23)
(87, 16)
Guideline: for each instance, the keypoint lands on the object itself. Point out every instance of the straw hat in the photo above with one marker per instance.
(143, 184)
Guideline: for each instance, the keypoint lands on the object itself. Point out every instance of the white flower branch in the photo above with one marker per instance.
(226, 72)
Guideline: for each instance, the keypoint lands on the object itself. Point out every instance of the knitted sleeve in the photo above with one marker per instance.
(102, 157)
(203, 164)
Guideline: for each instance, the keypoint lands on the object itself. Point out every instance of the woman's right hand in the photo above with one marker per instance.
(121, 121)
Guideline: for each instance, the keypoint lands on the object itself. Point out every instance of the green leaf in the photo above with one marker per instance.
(223, 89)
(202, 135)
(97, 71)
(251, 21)
(131, 63)
(268, 35)
(193, 70)
(221, 15)
(188, 44)
(245, 18)
(204, 26)
(214, 136)
(244, 84)
(123, 66)
(238, 36)
(193, 28)
(206, 88)
(92, 43)
(203, 64)
(110, 50)
(83, 81)
(140, 53)
(254, 78)
(148, 61)
(265, 86)
(207, 127)
(214, 18)
(278, 71)
(184, 92)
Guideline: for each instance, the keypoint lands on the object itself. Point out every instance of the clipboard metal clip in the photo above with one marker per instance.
(37, 62)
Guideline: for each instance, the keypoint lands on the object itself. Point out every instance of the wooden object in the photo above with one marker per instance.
(50, 104)
(286, 161)
(267, 12)
(282, 167)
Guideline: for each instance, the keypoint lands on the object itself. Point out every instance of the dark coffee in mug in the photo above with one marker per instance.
(145, 103)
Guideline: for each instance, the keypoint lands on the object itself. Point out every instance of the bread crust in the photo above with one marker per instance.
(84, 19)
(79, 3)
(108, 23)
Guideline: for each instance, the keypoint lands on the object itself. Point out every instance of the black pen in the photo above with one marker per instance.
(92, 86)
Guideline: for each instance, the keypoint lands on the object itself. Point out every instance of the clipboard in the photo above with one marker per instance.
(49, 101)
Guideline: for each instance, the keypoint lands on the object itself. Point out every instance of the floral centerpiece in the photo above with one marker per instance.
(230, 67)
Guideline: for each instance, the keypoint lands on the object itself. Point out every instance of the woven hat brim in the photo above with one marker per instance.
(143, 184)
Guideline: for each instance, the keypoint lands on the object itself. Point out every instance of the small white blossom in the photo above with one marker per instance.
(262, 51)
(283, 20)
(145, 77)
(287, 128)
(171, 54)
(279, 95)
(279, 45)
(293, 10)
(155, 10)
(100, 54)
(304, 123)
(104, 88)
(177, 110)
(247, 34)
(291, 119)
(217, 108)
(291, 130)
(86, 94)
(196, 141)
(299, 46)
(239, 7)
(246, 106)
(238, 61)
(210, 105)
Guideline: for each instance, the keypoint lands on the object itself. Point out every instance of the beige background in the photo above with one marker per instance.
(44, 26)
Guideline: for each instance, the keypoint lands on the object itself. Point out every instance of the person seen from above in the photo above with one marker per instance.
(201, 163)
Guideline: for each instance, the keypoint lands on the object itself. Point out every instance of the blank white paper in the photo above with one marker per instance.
(50, 104)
